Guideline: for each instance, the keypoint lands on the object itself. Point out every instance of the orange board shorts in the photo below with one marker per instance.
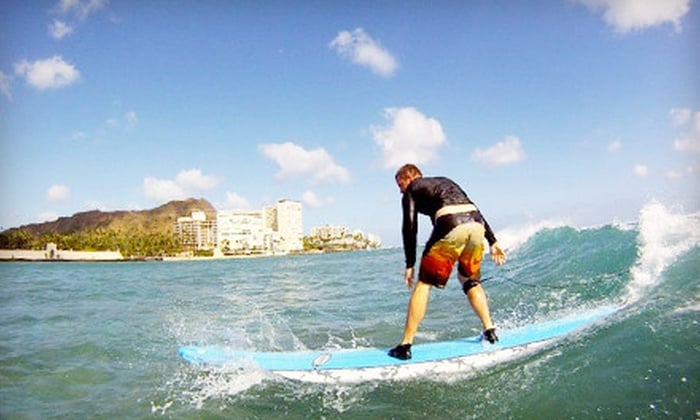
(464, 245)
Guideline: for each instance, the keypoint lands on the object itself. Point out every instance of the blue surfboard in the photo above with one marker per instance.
(368, 364)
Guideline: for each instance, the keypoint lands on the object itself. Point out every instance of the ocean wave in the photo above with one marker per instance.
(664, 235)
(514, 237)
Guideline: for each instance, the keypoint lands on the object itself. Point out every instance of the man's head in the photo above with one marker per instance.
(406, 174)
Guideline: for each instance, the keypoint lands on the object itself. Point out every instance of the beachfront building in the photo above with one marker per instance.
(196, 232)
(339, 237)
(274, 229)
(243, 231)
(328, 232)
(285, 218)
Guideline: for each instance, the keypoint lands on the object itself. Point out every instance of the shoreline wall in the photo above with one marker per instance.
(58, 255)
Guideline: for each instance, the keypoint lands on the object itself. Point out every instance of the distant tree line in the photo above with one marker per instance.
(348, 242)
(142, 244)
(130, 244)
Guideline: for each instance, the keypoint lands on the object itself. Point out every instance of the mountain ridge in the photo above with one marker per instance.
(160, 219)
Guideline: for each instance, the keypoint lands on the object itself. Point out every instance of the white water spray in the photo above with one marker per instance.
(664, 235)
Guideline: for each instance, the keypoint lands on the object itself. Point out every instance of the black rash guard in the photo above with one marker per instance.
(426, 196)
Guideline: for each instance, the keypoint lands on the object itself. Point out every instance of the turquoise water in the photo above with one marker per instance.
(84, 340)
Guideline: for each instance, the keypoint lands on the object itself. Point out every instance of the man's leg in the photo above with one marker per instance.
(417, 306)
(435, 268)
(469, 275)
(480, 305)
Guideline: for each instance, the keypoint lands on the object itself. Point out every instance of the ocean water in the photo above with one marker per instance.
(84, 340)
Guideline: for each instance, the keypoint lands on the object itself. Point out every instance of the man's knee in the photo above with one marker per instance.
(468, 285)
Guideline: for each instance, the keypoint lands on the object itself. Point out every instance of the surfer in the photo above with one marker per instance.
(458, 236)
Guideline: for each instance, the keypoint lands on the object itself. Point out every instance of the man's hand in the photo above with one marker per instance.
(408, 277)
(497, 254)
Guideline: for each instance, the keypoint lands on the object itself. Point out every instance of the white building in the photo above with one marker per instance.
(330, 235)
(242, 231)
(328, 232)
(285, 219)
(276, 228)
(196, 232)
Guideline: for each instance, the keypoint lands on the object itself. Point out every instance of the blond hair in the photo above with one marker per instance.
(408, 170)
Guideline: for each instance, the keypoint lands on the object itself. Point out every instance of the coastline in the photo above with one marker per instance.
(54, 255)
(59, 255)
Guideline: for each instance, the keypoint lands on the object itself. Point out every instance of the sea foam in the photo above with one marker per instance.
(664, 235)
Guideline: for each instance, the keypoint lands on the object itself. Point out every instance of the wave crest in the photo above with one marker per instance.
(664, 235)
(512, 238)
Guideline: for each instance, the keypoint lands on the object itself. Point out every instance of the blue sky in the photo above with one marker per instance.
(579, 110)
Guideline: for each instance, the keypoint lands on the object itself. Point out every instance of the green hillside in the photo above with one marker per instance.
(134, 233)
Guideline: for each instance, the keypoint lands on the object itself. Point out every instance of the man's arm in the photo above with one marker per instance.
(408, 277)
(409, 229)
(490, 236)
(498, 255)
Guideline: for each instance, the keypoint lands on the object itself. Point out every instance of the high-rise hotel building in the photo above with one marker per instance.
(285, 218)
(277, 228)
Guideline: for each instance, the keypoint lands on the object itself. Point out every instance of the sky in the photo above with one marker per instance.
(576, 110)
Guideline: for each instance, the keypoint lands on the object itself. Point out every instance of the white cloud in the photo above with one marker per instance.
(409, 137)
(71, 13)
(690, 140)
(6, 85)
(361, 49)
(641, 170)
(51, 73)
(615, 146)
(312, 200)
(163, 189)
(237, 202)
(505, 152)
(629, 15)
(81, 9)
(47, 216)
(680, 116)
(295, 161)
(58, 193)
(193, 179)
(60, 29)
(185, 184)
(680, 174)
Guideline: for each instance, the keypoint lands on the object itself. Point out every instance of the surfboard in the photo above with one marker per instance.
(372, 364)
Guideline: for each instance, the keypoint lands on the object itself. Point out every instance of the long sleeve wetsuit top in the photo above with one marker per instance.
(427, 195)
